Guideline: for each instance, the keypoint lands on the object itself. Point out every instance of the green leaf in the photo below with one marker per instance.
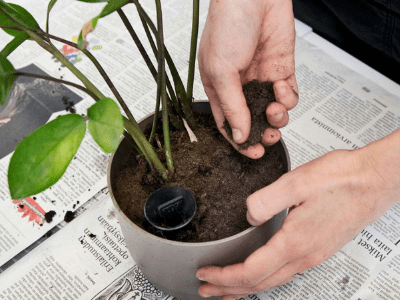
(106, 124)
(110, 7)
(7, 78)
(42, 157)
(49, 7)
(14, 44)
(19, 15)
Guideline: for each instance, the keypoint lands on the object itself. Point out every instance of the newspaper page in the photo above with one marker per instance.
(86, 260)
(338, 108)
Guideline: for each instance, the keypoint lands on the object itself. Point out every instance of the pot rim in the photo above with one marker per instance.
(186, 244)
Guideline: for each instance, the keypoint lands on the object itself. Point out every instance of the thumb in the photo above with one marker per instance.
(234, 107)
(269, 201)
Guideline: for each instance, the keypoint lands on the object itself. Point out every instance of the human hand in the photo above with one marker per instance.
(332, 199)
(245, 40)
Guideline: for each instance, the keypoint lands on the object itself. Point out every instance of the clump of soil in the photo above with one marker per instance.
(69, 216)
(258, 96)
(49, 216)
(219, 178)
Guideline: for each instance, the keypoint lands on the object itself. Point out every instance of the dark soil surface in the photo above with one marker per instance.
(258, 96)
(219, 178)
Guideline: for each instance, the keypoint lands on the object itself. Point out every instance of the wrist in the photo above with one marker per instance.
(382, 158)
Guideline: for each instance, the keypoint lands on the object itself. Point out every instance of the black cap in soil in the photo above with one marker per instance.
(170, 208)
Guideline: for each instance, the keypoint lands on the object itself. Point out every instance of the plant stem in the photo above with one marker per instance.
(60, 81)
(53, 50)
(146, 148)
(57, 54)
(180, 90)
(150, 65)
(161, 72)
(193, 49)
(157, 109)
(101, 71)
(130, 125)
(10, 27)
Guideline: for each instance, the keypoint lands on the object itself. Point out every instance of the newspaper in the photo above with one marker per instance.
(338, 109)
(113, 47)
(87, 259)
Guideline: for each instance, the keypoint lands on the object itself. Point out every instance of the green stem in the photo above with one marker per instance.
(180, 90)
(193, 49)
(60, 81)
(148, 62)
(161, 71)
(102, 73)
(130, 125)
(171, 91)
(157, 109)
(146, 148)
(10, 27)
(57, 54)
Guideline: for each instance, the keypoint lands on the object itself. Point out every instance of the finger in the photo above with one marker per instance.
(233, 105)
(254, 151)
(290, 279)
(215, 108)
(286, 92)
(277, 115)
(208, 290)
(252, 271)
(285, 274)
(233, 297)
(269, 201)
(271, 136)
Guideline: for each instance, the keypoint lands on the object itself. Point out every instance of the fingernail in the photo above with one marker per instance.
(204, 295)
(277, 117)
(199, 277)
(236, 134)
(281, 90)
(251, 220)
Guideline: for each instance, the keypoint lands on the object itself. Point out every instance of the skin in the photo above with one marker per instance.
(332, 198)
(245, 40)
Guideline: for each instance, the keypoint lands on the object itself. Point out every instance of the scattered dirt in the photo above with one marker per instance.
(69, 216)
(258, 96)
(219, 178)
(49, 216)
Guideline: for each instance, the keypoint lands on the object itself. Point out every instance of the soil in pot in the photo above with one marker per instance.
(219, 178)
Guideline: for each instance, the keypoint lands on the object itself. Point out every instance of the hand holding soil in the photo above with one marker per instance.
(243, 41)
(332, 198)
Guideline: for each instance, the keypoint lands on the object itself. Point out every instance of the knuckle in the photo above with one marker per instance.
(250, 278)
(316, 259)
(249, 282)
(259, 288)
(213, 66)
(293, 239)
(229, 110)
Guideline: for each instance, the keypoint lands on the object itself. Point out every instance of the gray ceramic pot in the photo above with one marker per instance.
(171, 266)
